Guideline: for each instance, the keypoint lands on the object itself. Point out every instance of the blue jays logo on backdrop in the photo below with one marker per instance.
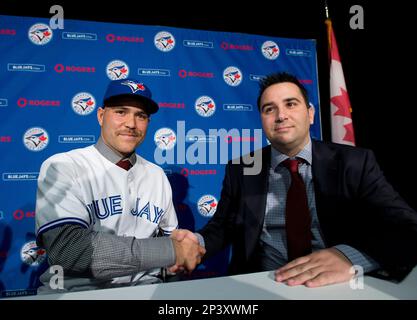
(36, 139)
(204, 82)
(83, 103)
(40, 34)
(117, 69)
(270, 50)
(207, 205)
(232, 76)
(164, 41)
(165, 138)
(205, 106)
(31, 254)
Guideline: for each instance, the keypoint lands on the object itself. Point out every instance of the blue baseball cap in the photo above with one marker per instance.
(129, 92)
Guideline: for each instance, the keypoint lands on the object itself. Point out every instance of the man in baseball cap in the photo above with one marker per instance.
(97, 222)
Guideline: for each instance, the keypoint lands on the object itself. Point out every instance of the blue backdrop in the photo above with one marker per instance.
(206, 84)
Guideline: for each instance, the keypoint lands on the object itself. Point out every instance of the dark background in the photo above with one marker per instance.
(378, 61)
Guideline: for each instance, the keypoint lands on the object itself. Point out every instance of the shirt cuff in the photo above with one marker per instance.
(358, 258)
(200, 239)
(154, 252)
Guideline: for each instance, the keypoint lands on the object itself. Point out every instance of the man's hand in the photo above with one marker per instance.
(320, 268)
(180, 234)
(188, 252)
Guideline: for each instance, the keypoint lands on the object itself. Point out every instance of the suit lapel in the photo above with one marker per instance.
(326, 180)
(256, 189)
(324, 168)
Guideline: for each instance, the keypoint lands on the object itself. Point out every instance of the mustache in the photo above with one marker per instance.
(129, 132)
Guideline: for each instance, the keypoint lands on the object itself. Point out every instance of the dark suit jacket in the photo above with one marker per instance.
(355, 206)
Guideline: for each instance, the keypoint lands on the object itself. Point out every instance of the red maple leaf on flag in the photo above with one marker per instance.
(342, 103)
(349, 136)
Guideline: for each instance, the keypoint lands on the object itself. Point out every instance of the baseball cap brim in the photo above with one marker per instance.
(133, 100)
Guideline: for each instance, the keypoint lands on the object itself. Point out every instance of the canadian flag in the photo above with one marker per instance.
(340, 109)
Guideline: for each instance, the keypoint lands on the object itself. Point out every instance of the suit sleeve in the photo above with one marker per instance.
(218, 232)
(392, 223)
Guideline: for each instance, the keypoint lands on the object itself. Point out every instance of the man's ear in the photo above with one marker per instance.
(100, 114)
(311, 112)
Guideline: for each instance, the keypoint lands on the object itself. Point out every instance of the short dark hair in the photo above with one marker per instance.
(280, 77)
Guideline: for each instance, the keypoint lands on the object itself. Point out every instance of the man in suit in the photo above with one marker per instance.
(354, 216)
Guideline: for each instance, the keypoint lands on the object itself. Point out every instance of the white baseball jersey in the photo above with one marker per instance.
(83, 187)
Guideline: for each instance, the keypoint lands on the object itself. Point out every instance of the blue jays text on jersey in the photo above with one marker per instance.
(113, 205)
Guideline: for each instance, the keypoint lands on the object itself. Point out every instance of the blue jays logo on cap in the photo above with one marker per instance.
(123, 89)
(134, 86)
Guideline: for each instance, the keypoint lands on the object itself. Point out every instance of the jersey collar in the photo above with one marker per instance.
(110, 154)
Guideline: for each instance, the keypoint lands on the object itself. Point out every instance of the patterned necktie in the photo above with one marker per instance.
(125, 164)
(297, 214)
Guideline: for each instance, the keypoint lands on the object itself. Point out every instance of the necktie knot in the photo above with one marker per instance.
(125, 164)
(291, 165)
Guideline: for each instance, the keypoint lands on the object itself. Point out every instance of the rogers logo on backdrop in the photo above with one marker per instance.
(172, 105)
(23, 102)
(187, 172)
(230, 46)
(19, 214)
(8, 32)
(184, 73)
(61, 68)
(112, 38)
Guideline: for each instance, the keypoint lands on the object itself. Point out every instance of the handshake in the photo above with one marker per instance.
(188, 252)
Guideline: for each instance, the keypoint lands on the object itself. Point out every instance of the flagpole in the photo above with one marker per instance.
(326, 7)
(328, 23)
